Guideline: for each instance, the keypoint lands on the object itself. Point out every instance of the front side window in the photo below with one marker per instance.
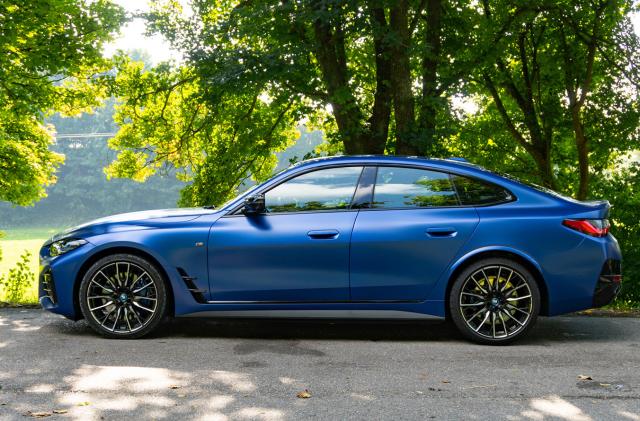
(398, 187)
(476, 192)
(326, 189)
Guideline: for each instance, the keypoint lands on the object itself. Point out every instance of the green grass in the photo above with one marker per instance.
(13, 245)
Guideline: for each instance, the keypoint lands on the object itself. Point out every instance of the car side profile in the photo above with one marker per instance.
(358, 236)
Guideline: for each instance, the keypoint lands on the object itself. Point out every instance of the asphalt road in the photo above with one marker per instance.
(205, 369)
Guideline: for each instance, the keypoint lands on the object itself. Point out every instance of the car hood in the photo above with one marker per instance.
(133, 220)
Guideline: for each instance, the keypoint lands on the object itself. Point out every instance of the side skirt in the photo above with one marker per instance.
(317, 314)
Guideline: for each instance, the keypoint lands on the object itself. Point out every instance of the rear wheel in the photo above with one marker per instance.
(123, 296)
(494, 301)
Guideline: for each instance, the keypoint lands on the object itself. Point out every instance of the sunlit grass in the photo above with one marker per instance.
(14, 243)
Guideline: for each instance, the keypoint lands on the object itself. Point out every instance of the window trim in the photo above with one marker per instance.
(366, 206)
(236, 210)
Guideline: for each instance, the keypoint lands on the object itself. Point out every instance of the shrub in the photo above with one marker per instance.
(19, 279)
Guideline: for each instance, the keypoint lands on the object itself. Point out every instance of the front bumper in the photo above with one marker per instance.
(56, 281)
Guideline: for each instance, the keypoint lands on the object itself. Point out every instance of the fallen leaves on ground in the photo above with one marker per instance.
(175, 386)
(38, 414)
(60, 411)
(305, 394)
(583, 377)
(84, 403)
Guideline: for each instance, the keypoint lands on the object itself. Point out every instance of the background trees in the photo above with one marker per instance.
(48, 50)
(555, 83)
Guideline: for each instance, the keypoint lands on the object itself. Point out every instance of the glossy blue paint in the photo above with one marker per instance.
(353, 259)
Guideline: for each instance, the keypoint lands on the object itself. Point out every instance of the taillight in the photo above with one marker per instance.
(592, 227)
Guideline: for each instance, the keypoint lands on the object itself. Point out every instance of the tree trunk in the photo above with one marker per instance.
(430, 61)
(583, 153)
(381, 112)
(403, 100)
(330, 55)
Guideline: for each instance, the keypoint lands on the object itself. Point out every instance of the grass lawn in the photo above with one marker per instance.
(13, 244)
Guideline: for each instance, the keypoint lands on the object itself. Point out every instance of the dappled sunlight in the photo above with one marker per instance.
(134, 379)
(629, 415)
(41, 388)
(256, 413)
(237, 382)
(554, 406)
(22, 326)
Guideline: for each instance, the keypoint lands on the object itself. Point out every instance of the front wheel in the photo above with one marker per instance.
(123, 296)
(494, 301)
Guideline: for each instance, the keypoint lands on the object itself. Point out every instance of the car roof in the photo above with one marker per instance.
(449, 163)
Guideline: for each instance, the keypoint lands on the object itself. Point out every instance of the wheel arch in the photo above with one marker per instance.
(506, 253)
(121, 250)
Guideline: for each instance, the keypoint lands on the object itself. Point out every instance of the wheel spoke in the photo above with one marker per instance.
(472, 304)
(493, 324)
(497, 288)
(142, 297)
(126, 317)
(504, 324)
(95, 297)
(512, 318)
(473, 295)
(135, 313)
(101, 306)
(143, 287)
(108, 280)
(478, 285)
(519, 298)
(507, 281)
(483, 320)
(101, 286)
(518, 309)
(135, 303)
(115, 322)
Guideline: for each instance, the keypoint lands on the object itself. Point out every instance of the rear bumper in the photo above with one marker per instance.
(608, 284)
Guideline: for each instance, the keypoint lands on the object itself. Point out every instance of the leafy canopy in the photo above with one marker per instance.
(49, 50)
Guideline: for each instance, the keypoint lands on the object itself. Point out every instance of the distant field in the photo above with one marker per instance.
(14, 243)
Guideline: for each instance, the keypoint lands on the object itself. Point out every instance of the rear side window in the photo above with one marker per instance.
(475, 192)
(398, 187)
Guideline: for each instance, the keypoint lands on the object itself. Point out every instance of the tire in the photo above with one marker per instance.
(494, 313)
(123, 296)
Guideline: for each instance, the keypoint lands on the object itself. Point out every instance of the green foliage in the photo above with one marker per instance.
(49, 50)
(82, 191)
(19, 280)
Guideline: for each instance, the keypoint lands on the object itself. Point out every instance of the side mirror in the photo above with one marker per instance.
(254, 205)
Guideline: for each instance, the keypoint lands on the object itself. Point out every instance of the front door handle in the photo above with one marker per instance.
(441, 232)
(323, 234)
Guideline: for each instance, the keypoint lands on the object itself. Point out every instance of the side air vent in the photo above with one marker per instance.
(198, 294)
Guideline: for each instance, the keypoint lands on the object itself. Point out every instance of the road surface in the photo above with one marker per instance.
(241, 370)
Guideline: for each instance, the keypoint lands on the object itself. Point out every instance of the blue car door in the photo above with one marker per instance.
(408, 236)
(297, 251)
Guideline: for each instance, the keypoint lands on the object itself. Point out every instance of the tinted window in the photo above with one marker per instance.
(327, 189)
(476, 192)
(412, 188)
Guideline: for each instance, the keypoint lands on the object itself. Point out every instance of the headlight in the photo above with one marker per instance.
(63, 246)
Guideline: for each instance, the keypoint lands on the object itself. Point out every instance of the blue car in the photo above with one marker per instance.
(367, 237)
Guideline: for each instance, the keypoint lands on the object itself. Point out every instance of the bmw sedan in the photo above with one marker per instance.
(344, 237)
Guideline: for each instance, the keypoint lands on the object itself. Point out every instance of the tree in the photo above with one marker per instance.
(254, 70)
(48, 51)
(562, 79)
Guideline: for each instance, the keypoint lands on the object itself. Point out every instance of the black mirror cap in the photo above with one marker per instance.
(254, 205)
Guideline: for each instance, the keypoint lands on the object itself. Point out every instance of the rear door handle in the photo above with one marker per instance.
(441, 232)
(323, 234)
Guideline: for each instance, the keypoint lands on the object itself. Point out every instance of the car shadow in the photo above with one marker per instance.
(547, 330)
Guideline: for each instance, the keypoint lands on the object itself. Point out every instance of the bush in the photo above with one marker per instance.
(19, 280)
